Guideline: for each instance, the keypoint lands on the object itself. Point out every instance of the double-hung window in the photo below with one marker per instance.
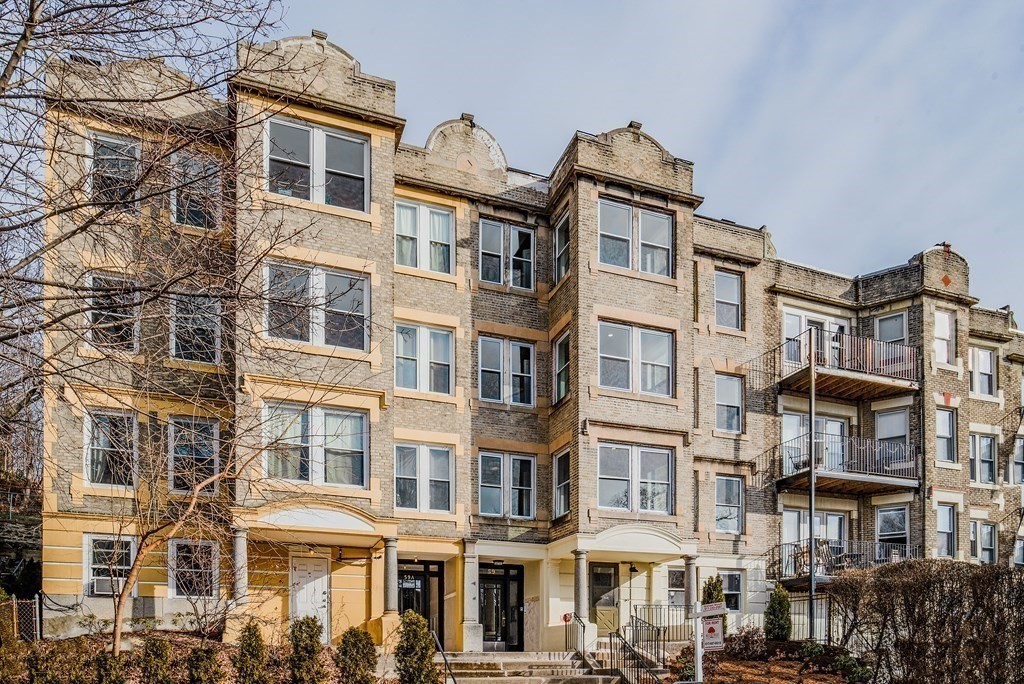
(615, 227)
(193, 569)
(115, 172)
(561, 249)
(560, 361)
(424, 358)
(110, 439)
(323, 165)
(983, 459)
(109, 562)
(518, 269)
(311, 304)
(728, 300)
(634, 478)
(194, 452)
(506, 371)
(424, 477)
(729, 403)
(892, 328)
(655, 243)
(982, 371)
(891, 432)
(892, 531)
(732, 587)
(986, 543)
(197, 191)
(676, 587)
(945, 435)
(1018, 460)
(195, 329)
(113, 313)
(944, 336)
(317, 445)
(424, 237)
(945, 531)
(507, 485)
(728, 504)
(621, 367)
(619, 226)
(561, 484)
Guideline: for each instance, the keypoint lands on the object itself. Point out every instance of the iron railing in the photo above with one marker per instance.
(676, 621)
(575, 634)
(647, 639)
(626, 662)
(841, 454)
(449, 676)
(834, 556)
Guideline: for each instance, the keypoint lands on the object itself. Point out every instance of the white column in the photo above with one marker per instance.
(580, 595)
(472, 630)
(691, 582)
(390, 575)
(240, 552)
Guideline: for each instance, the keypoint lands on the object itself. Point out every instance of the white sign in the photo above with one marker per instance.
(712, 608)
(714, 635)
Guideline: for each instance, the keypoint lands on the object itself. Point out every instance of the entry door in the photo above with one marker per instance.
(310, 591)
(604, 596)
(502, 607)
(492, 609)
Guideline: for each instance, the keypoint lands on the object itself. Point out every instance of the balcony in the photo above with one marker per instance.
(790, 563)
(847, 367)
(843, 465)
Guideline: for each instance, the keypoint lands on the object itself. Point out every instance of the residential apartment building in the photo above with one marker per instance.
(491, 396)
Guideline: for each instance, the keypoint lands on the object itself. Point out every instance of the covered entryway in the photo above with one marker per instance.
(421, 590)
(502, 606)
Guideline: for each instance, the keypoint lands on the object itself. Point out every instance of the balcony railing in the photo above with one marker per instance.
(834, 556)
(842, 454)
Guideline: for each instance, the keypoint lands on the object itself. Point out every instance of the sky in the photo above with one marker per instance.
(859, 133)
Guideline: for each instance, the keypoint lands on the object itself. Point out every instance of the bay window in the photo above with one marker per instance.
(507, 485)
(728, 504)
(317, 445)
(424, 474)
(945, 435)
(560, 359)
(195, 329)
(635, 478)
(983, 459)
(315, 305)
(561, 249)
(622, 368)
(424, 237)
(111, 438)
(729, 403)
(326, 166)
(561, 482)
(945, 531)
(728, 300)
(982, 371)
(944, 336)
(424, 358)
(506, 371)
(194, 457)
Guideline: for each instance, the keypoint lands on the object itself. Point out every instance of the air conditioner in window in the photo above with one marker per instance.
(107, 586)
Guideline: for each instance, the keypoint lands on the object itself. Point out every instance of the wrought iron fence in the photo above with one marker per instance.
(648, 640)
(673, 619)
(846, 454)
(626, 662)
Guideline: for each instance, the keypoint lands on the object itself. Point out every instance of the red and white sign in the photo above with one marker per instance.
(707, 608)
(714, 634)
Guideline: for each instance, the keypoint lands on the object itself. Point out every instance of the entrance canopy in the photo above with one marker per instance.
(643, 543)
(315, 521)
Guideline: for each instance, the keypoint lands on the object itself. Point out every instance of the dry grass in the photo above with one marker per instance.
(776, 672)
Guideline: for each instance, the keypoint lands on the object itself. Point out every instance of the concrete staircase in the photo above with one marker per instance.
(523, 668)
(601, 655)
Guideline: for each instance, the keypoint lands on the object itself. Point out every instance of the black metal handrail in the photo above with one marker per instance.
(675, 621)
(835, 556)
(846, 454)
(448, 674)
(627, 663)
(575, 634)
(647, 639)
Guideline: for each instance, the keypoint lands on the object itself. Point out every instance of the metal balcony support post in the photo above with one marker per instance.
(812, 408)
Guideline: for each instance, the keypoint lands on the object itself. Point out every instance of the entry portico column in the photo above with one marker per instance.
(472, 630)
(240, 558)
(690, 591)
(580, 598)
(390, 575)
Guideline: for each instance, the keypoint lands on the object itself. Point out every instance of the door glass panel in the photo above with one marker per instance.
(491, 609)
(514, 615)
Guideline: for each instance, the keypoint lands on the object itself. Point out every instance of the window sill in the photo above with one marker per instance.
(410, 514)
(476, 404)
(457, 280)
(370, 217)
(506, 521)
(455, 400)
(506, 289)
(617, 514)
(731, 332)
(722, 434)
(87, 351)
(989, 398)
(278, 485)
(597, 267)
(985, 485)
(949, 465)
(197, 366)
(952, 368)
(372, 357)
(598, 391)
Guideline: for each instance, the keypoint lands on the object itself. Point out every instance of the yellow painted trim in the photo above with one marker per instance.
(635, 435)
(458, 280)
(273, 107)
(429, 318)
(372, 494)
(86, 351)
(511, 446)
(268, 387)
(372, 357)
(430, 437)
(460, 205)
(320, 257)
(261, 196)
(597, 267)
(82, 398)
(560, 442)
(637, 317)
(515, 332)
(458, 400)
(556, 331)
(458, 517)
(196, 366)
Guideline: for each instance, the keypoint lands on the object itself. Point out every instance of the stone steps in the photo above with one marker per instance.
(524, 668)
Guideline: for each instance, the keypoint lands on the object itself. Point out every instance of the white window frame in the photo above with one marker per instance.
(946, 344)
(172, 563)
(1018, 460)
(641, 242)
(87, 564)
(217, 213)
(172, 426)
(635, 358)
(557, 486)
(738, 304)
(562, 223)
(982, 527)
(514, 230)
(422, 235)
(950, 438)
(633, 479)
(423, 477)
(217, 328)
(136, 324)
(974, 375)
(951, 532)
(557, 369)
(318, 303)
(316, 443)
(902, 315)
(975, 463)
(508, 461)
(742, 382)
(423, 359)
(1018, 552)
(975, 541)
(906, 423)
(906, 523)
(674, 595)
(508, 347)
(90, 155)
(87, 417)
(500, 227)
(739, 508)
(738, 594)
(318, 158)
(628, 238)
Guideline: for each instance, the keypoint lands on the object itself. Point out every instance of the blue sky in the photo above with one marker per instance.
(860, 133)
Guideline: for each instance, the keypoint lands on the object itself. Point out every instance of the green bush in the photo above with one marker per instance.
(747, 644)
(251, 661)
(13, 663)
(154, 661)
(811, 649)
(204, 667)
(712, 592)
(63, 662)
(109, 668)
(778, 623)
(356, 657)
(414, 655)
(304, 662)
